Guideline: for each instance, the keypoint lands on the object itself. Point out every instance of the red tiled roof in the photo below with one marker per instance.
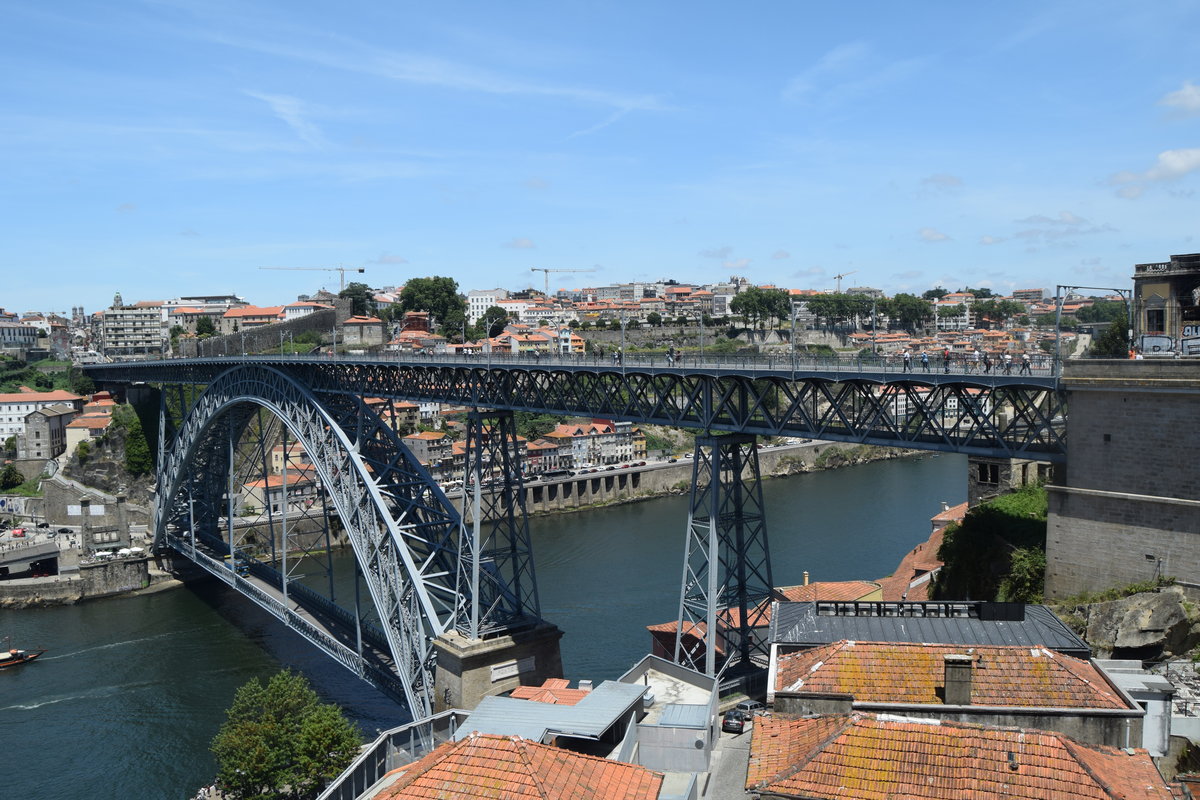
(30, 396)
(91, 421)
(1001, 675)
(555, 691)
(870, 758)
(483, 767)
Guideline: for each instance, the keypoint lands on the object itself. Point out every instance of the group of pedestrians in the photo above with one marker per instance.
(975, 361)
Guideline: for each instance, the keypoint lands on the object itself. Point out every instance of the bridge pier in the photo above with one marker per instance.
(727, 581)
(469, 670)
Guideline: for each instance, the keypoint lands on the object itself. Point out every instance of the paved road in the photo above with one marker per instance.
(728, 777)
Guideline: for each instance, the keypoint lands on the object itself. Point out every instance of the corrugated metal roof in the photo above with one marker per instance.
(684, 715)
(800, 624)
(588, 718)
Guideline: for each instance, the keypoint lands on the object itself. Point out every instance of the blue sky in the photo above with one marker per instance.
(167, 147)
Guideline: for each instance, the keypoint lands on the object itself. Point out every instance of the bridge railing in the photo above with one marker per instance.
(957, 363)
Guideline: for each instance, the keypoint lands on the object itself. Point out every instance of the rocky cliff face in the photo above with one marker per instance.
(1147, 625)
(104, 468)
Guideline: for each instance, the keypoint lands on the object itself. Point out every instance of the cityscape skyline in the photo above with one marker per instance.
(163, 149)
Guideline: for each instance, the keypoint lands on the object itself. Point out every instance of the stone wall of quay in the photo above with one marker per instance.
(103, 579)
(1126, 508)
(624, 485)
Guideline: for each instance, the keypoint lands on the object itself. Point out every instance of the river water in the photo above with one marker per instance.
(133, 689)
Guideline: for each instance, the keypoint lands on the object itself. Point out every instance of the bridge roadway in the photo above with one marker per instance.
(356, 645)
(952, 408)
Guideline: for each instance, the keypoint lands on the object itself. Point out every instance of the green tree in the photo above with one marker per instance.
(361, 297)
(655, 319)
(205, 327)
(535, 426)
(137, 449)
(10, 447)
(1103, 311)
(439, 296)
(1113, 343)
(981, 294)
(10, 477)
(936, 293)
(280, 741)
(491, 323)
(910, 311)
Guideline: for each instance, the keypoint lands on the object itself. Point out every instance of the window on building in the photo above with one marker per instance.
(1154, 320)
(989, 473)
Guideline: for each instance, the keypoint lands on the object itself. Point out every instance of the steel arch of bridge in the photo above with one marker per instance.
(402, 529)
(984, 415)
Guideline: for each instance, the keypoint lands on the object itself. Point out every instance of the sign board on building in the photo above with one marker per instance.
(74, 511)
(510, 669)
(97, 511)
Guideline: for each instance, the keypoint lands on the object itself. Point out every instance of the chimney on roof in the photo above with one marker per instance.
(957, 691)
(585, 684)
(806, 577)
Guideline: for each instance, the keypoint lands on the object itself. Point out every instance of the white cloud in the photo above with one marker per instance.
(737, 263)
(1063, 218)
(780, 254)
(126, 208)
(718, 252)
(838, 60)
(932, 235)
(943, 181)
(388, 258)
(519, 243)
(290, 110)
(849, 71)
(537, 184)
(987, 240)
(1186, 101)
(1173, 164)
(1170, 165)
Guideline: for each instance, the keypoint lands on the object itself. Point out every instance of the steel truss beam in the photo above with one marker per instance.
(401, 527)
(986, 415)
(495, 557)
(727, 587)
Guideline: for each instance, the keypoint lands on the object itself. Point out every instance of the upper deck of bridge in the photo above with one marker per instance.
(1041, 373)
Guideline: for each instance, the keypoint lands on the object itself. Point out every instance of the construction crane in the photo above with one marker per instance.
(340, 270)
(839, 279)
(548, 271)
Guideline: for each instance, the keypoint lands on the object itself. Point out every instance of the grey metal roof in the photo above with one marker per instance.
(684, 715)
(529, 719)
(800, 624)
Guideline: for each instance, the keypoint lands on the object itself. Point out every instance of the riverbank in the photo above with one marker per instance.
(666, 479)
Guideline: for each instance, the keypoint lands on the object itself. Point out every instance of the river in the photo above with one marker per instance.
(133, 689)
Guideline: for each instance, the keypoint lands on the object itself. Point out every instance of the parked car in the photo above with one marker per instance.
(43, 524)
(734, 721)
(609, 469)
(672, 460)
(750, 707)
(65, 530)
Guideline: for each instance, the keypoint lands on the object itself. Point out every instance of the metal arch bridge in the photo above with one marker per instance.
(864, 402)
(433, 569)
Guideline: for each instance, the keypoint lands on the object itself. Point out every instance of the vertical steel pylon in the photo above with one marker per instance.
(495, 564)
(727, 585)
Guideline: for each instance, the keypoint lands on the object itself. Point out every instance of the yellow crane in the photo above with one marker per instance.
(839, 279)
(340, 270)
(547, 271)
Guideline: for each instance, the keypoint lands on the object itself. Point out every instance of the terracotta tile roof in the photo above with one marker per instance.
(861, 757)
(91, 421)
(27, 395)
(485, 766)
(555, 691)
(828, 590)
(921, 560)
(886, 672)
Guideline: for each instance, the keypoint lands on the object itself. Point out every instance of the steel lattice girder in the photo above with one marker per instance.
(382, 495)
(985, 415)
(727, 584)
(495, 554)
